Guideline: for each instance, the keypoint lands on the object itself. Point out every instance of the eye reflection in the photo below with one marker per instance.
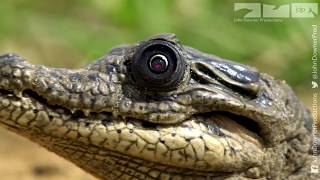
(158, 63)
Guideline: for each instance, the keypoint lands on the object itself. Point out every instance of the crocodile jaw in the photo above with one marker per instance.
(191, 147)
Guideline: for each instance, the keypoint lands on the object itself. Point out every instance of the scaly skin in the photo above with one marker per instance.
(221, 120)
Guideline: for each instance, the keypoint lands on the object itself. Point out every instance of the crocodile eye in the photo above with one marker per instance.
(158, 65)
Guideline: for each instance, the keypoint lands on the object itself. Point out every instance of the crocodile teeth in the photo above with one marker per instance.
(18, 93)
(86, 112)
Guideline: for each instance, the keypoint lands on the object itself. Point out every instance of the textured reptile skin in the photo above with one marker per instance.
(211, 126)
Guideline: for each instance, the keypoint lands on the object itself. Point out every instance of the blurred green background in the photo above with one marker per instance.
(71, 33)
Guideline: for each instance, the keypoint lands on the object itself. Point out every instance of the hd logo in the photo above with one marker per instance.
(262, 10)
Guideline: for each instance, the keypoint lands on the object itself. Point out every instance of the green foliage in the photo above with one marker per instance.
(69, 33)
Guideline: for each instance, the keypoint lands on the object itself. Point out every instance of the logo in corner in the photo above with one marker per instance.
(263, 12)
(304, 10)
(247, 10)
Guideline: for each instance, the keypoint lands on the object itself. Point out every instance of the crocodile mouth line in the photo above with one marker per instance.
(146, 125)
(243, 121)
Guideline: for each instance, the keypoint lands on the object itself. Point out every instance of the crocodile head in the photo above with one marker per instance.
(159, 110)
